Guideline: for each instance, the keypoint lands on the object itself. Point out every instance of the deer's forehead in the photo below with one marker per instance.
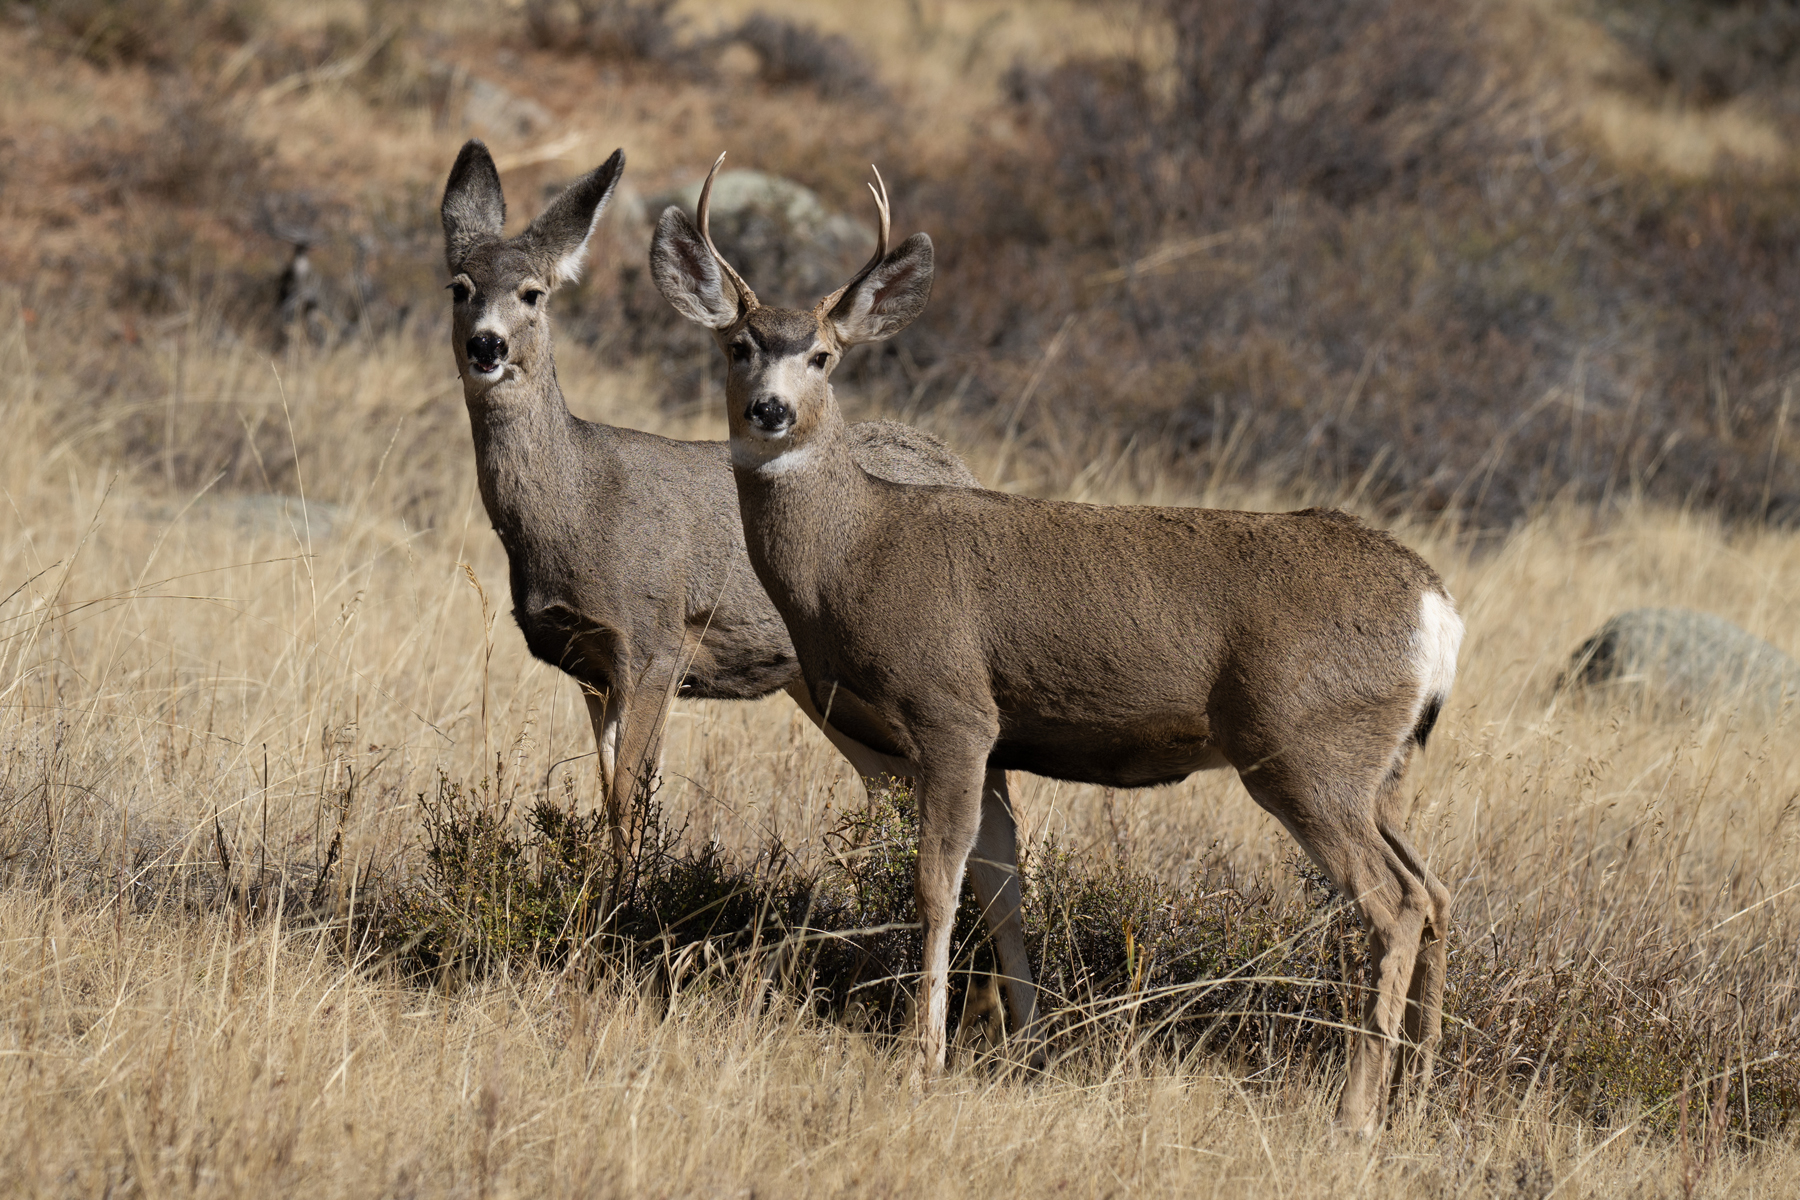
(498, 265)
(781, 332)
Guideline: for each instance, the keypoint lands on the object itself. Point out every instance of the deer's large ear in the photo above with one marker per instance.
(558, 239)
(688, 275)
(474, 207)
(889, 298)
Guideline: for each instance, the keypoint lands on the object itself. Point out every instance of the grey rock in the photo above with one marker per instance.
(778, 234)
(271, 512)
(500, 112)
(260, 513)
(484, 106)
(1678, 657)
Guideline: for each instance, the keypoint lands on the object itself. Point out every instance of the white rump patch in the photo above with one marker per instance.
(769, 458)
(1435, 642)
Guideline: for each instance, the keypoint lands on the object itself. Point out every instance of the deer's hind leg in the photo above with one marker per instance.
(994, 873)
(1331, 809)
(629, 720)
(1425, 998)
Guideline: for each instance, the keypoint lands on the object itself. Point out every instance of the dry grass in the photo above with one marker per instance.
(1617, 874)
(188, 1056)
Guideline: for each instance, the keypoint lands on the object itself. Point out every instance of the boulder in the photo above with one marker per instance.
(484, 107)
(500, 112)
(258, 514)
(1681, 658)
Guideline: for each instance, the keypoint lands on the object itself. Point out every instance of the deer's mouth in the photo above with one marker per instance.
(487, 356)
(770, 417)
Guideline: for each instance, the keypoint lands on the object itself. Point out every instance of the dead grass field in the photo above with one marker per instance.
(157, 647)
(251, 611)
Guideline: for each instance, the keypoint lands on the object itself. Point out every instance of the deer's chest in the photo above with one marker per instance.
(568, 639)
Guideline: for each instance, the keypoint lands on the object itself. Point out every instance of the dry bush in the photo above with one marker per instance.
(1347, 101)
(788, 52)
(1121, 957)
(1710, 51)
(159, 33)
(791, 53)
(1340, 242)
(197, 156)
(1336, 240)
(639, 31)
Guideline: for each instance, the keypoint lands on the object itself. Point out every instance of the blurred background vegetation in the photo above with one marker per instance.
(1435, 256)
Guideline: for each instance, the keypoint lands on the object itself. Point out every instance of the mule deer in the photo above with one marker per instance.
(969, 631)
(625, 551)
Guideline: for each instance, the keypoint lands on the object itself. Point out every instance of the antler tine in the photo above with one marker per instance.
(746, 297)
(881, 204)
(881, 243)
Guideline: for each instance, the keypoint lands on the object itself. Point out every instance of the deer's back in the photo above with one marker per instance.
(899, 453)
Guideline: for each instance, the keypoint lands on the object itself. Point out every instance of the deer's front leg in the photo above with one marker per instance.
(949, 799)
(629, 719)
(641, 728)
(604, 712)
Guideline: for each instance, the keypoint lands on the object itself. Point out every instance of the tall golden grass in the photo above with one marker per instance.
(189, 677)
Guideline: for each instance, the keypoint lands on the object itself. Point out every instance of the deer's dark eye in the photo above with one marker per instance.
(739, 351)
(459, 292)
(819, 360)
(531, 297)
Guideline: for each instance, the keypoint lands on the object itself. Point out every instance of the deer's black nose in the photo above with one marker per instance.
(769, 413)
(486, 351)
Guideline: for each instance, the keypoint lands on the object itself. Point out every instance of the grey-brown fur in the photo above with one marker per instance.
(972, 631)
(625, 551)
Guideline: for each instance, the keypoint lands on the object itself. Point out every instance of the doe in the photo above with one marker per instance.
(625, 552)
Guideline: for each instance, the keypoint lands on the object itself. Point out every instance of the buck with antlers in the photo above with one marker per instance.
(968, 631)
(626, 554)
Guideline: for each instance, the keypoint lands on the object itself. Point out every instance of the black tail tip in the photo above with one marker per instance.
(1427, 720)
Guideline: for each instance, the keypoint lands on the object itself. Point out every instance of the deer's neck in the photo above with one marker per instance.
(803, 512)
(526, 454)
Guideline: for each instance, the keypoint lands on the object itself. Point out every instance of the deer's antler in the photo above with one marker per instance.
(746, 297)
(881, 245)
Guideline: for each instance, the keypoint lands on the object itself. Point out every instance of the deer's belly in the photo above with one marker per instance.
(1140, 755)
(725, 657)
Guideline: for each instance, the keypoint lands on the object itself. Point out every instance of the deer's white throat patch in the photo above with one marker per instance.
(775, 456)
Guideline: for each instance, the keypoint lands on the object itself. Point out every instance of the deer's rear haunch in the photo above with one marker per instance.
(969, 631)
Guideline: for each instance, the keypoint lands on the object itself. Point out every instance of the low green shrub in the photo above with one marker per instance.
(1116, 952)
(1262, 975)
